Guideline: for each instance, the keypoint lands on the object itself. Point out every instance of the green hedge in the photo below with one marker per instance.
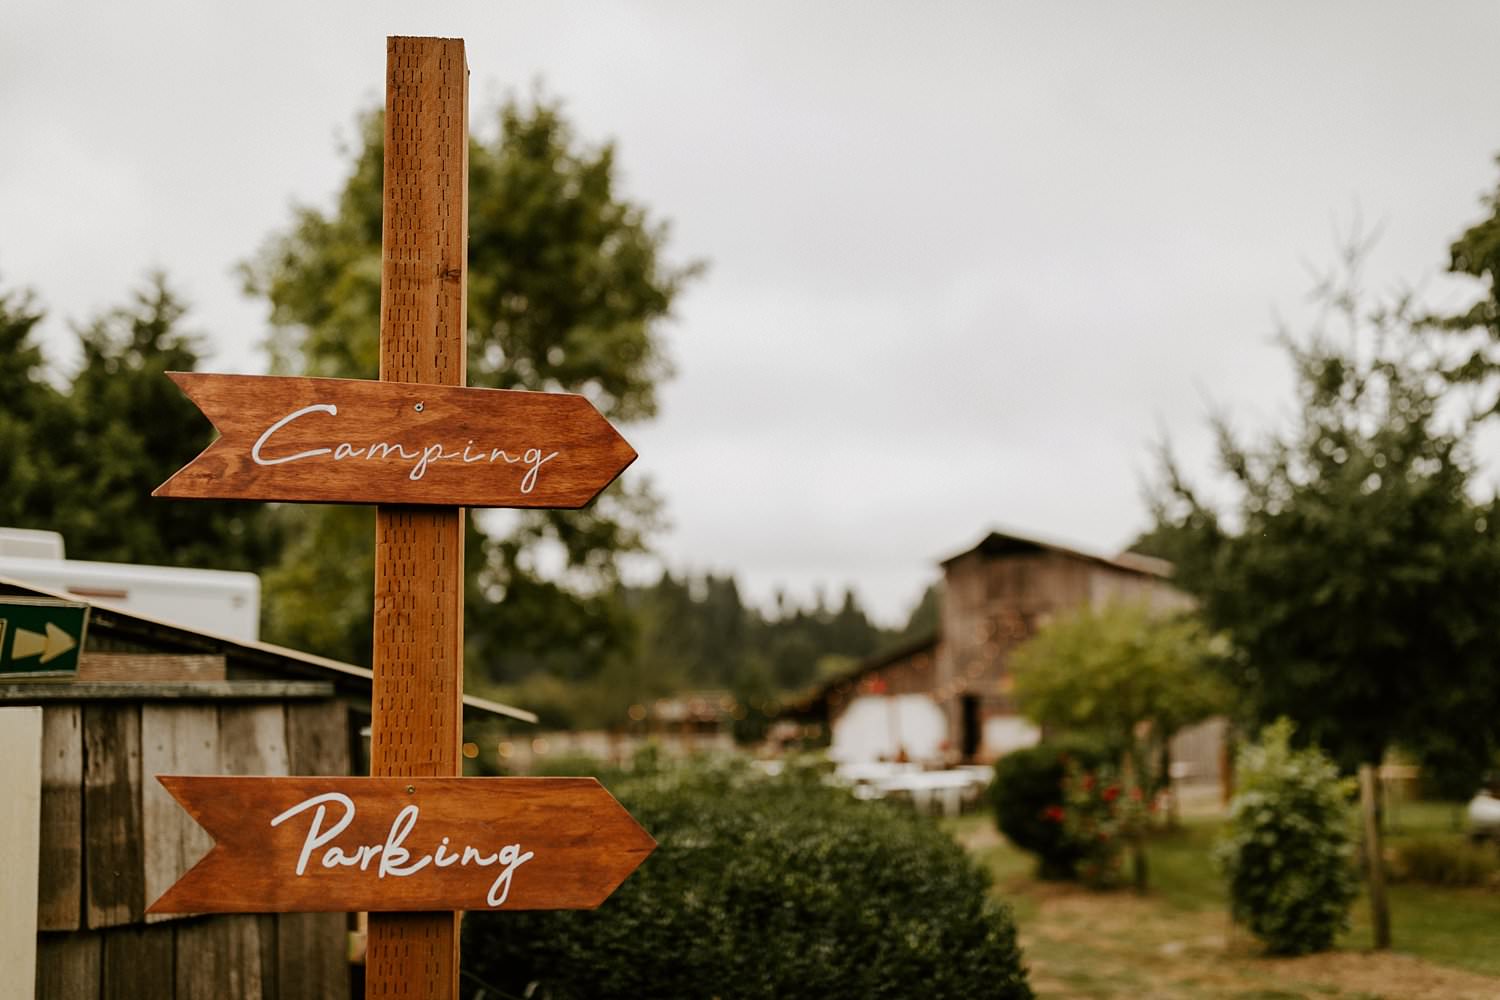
(1446, 860)
(765, 888)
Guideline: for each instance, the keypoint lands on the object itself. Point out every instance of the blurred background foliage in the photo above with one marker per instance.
(570, 285)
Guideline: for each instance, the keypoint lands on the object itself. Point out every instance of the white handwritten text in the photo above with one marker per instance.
(394, 858)
(531, 459)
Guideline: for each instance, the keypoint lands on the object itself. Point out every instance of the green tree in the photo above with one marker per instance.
(119, 431)
(850, 632)
(1356, 577)
(1125, 677)
(568, 290)
(1476, 254)
(35, 423)
(133, 429)
(926, 616)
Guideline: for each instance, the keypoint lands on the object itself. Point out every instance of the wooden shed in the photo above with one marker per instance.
(154, 698)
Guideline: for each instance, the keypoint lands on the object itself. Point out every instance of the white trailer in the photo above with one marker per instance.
(222, 602)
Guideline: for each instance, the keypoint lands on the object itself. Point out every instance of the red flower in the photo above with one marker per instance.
(1053, 814)
(1111, 793)
(1088, 782)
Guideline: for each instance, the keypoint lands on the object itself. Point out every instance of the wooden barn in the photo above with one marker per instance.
(946, 699)
(152, 698)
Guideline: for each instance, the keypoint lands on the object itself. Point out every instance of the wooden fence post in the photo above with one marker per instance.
(1380, 914)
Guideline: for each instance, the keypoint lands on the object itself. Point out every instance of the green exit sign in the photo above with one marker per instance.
(40, 639)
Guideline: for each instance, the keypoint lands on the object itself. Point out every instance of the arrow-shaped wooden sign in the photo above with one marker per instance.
(383, 844)
(327, 440)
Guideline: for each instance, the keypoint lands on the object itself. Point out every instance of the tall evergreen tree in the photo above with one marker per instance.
(84, 462)
(135, 428)
(35, 473)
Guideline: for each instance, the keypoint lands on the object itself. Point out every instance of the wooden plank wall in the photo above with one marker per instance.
(20, 847)
(142, 667)
(113, 840)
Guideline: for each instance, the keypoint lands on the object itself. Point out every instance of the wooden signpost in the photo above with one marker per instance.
(330, 440)
(413, 837)
(285, 845)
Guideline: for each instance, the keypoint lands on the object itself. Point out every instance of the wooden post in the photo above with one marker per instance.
(1380, 914)
(417, 722)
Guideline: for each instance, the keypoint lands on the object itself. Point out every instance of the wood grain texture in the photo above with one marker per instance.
(20, 847)
(135, 668)
(137, 962)
(60, 892)
(417, 714)
(317, 738)
(407, 442)
(175, 739)
(311, 956)
(416, 724)
(219, 957)
(36, 694)
(113, 863)
(311, 948)
(373, 844)
(269, 942)
(68, 966)
(252, 739)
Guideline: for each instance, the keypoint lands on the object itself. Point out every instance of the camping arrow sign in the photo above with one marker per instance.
(381, 844)
(325, 440)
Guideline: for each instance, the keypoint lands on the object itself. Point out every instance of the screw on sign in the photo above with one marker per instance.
(414, 843)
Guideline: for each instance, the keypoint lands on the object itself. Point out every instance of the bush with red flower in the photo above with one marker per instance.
(1100, 813)
(1030, 805)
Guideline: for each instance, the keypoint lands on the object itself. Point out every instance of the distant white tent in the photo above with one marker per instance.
(883, 727)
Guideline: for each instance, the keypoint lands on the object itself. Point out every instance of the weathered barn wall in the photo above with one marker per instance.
(996, 597)
(112, 840)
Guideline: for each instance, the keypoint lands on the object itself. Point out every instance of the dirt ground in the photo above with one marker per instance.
(1083, 945)
(1090, 945)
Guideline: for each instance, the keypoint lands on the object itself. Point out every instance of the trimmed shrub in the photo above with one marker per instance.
(1288, 848)
(760, 888)
(1448, 861)
(1028, 797)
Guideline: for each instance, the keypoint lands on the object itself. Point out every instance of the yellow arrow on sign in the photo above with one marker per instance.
(52, 645)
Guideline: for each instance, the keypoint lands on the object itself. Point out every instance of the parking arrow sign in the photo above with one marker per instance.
(40, 639)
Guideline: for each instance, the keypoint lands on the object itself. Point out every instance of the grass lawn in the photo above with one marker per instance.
(1177, 942)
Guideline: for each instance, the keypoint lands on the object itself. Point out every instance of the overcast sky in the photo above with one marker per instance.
(967, 262)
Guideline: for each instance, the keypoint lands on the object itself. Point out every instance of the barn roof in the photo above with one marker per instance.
(1005, 543)
(812, 701)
